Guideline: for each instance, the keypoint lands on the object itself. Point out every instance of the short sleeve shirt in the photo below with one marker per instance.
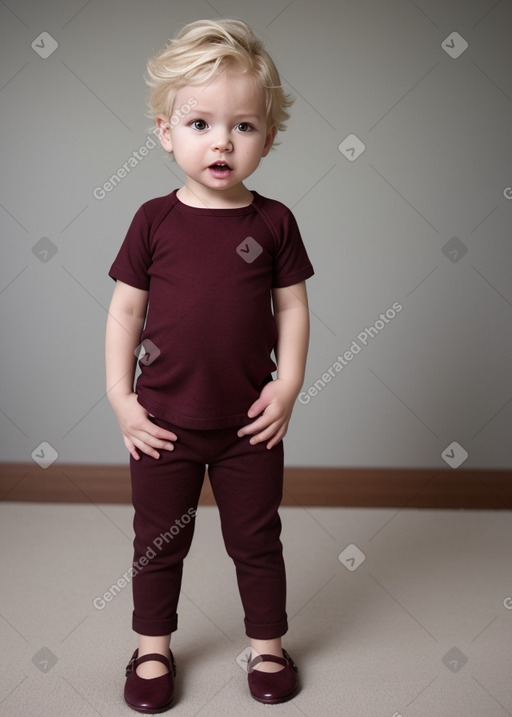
(209, 331)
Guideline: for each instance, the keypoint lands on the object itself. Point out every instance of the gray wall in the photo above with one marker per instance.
(421, 217)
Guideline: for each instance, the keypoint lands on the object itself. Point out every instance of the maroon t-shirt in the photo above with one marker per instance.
(209, 330)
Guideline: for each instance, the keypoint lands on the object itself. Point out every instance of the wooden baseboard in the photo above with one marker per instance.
(354, 487)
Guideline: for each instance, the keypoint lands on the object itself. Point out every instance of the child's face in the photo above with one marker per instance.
(223, 138)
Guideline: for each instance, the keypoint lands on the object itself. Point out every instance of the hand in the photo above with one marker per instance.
(138, 431)
(276, 401)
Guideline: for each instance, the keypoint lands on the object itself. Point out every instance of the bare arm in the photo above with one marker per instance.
(124, 326)
(277, 398)
(292, 318)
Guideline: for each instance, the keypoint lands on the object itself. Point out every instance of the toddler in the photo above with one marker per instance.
(210, 281)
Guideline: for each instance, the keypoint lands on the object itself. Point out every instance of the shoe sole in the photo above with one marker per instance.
(151, 711)
(279, 700)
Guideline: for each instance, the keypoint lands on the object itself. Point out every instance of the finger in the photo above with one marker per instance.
(279, 435)
(131, 449)
(265, 435)
(275, 440)
(148, 450)
(257, 425)
(143, 445)
(134, 454)
(257, 407)
(158, 443)
(279, 429)
(161, 433)
(150, 438)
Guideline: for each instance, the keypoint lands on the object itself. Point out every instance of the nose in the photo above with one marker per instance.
(221, 142)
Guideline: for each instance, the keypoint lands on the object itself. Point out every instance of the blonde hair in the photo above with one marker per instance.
(202, 49)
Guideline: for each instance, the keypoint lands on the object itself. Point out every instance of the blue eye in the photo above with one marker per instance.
(199, 125)
(244, 127)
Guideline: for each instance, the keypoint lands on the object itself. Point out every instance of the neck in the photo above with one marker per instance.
(206, 198)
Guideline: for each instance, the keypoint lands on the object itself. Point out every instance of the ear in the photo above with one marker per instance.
(269, 141)
(164, 132)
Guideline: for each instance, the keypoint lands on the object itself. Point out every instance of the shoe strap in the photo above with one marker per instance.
(290, 661)
(152, 656)
(267, 658)
(136, 661)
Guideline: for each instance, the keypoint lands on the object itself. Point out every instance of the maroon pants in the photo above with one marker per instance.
(247, 482)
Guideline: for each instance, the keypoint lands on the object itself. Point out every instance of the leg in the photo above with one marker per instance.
(165, 493)
(149, 645)
(267, 647)
(247, 483)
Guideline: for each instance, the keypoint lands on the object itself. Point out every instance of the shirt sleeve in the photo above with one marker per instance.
(292, 264)
(134, 257)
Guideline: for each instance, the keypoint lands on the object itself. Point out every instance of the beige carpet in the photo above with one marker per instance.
(422, 627)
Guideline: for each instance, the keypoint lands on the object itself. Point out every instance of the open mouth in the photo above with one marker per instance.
(220, 170)
(220, 166)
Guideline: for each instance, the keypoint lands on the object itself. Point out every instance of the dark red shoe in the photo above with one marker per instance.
(272, 688)
(149, 696)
